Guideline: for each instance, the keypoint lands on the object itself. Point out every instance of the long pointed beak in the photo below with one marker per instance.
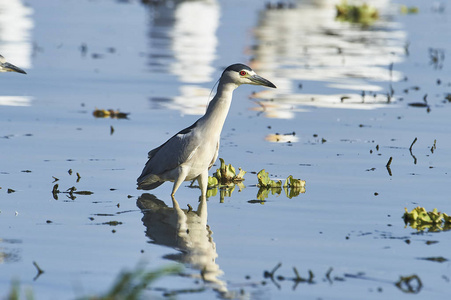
(261, 81)
(7, 67)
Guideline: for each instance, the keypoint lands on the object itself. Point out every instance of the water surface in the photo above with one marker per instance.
(344, 91)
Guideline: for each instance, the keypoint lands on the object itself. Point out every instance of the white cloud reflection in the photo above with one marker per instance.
(306, 45)
(183, 43)
(15, 100)
(15, 32)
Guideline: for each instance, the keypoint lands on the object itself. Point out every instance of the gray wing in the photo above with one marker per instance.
(172, 153)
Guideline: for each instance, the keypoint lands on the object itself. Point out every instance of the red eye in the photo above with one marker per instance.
(242, 73)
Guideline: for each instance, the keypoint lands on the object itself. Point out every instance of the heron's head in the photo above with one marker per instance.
(7, 67)
(242, 74)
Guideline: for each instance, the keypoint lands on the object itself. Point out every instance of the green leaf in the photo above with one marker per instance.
(240, 176)
(212, 181)
(446, 218)
(226, 174)
(263, 179)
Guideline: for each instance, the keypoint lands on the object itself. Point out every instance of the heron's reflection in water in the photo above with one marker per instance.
(185, 230)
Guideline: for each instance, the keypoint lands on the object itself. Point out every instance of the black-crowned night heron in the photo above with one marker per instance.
(7, 67)
(189, 154)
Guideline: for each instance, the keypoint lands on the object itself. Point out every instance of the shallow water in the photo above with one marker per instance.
(346, 228)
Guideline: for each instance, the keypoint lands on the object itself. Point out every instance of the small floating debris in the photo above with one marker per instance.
(388, 165)
(437, 57)
(110, 113)
(438, 259)
(112, 223)
(409, 284)
(280, 5)
(70, 192)
(418, 104)
(55, 191)
(409, 10)
(434, 146)
(38, 269)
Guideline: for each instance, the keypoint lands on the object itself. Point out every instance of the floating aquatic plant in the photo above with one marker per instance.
(420, 219)
(226, 175)
(225, 178)
(292, 187)
(265, 182)
(407, 10)
(110, 113)
(363, 14)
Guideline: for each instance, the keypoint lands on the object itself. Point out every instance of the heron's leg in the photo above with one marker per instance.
(202, 209)
(179, 180)
(202, 179)
(179, 217)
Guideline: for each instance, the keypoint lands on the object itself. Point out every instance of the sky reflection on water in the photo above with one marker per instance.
(16, 23)
(183, 42)
(307, 50)
(146, 61)
(303, 48)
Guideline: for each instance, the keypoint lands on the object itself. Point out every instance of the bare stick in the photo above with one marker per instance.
(411, 145)
(410, 150)
(40, 271)
(389, 162)
(388, 166)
